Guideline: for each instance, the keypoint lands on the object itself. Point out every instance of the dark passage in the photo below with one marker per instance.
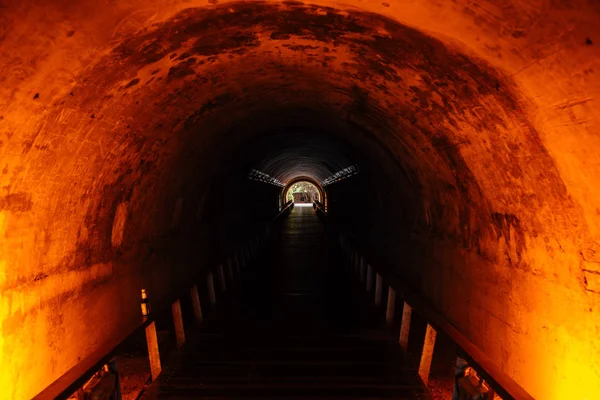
(295, 328)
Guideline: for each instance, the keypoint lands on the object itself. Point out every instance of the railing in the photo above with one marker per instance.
(320, 207)
(72, 381)
(376, 273)
(369, 276)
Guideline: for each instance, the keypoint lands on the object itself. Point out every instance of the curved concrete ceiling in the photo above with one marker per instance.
(292, 154)
(486, 109)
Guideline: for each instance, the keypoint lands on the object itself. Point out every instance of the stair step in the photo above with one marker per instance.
(288, 392)
(295, 329)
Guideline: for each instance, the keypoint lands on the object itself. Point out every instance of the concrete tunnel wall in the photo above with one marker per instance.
(474, 119)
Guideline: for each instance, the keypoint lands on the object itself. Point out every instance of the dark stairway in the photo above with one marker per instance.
(296, 328)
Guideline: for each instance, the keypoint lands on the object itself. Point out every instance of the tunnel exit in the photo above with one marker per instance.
(303, 193)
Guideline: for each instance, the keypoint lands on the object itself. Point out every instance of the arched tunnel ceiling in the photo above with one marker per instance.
(485, 108)
(308, 154)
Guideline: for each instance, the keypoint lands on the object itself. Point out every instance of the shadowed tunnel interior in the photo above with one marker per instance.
(129, 133)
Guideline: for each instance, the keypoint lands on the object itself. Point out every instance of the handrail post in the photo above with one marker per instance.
(391, 306)
(178, 322)
(378, 289)
(196, 303)
(222, 281)
(405, 326)
(153, 352)
(248, 252)
(369, 279)
(427, 354)
(239, 260)
(363, 270)
(236, 262)
(210, 286)
(229, 269)
(242, 259)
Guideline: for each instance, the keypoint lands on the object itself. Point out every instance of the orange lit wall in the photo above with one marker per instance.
(486, 111)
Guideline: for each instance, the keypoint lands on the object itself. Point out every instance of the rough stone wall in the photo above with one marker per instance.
(483, 110)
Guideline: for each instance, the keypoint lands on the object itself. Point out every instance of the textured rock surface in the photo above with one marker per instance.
(474, 120)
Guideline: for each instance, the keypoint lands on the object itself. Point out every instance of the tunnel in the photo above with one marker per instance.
(457, 141)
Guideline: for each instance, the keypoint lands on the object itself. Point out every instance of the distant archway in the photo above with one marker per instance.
(306, 190)
(303, 192)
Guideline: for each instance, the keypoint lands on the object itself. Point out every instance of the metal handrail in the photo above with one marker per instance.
(84, 370)
(504, 385)
(319, 206)
(498, 380)
(286, 209)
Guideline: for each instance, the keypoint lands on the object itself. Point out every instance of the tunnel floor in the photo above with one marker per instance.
(294, 327)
